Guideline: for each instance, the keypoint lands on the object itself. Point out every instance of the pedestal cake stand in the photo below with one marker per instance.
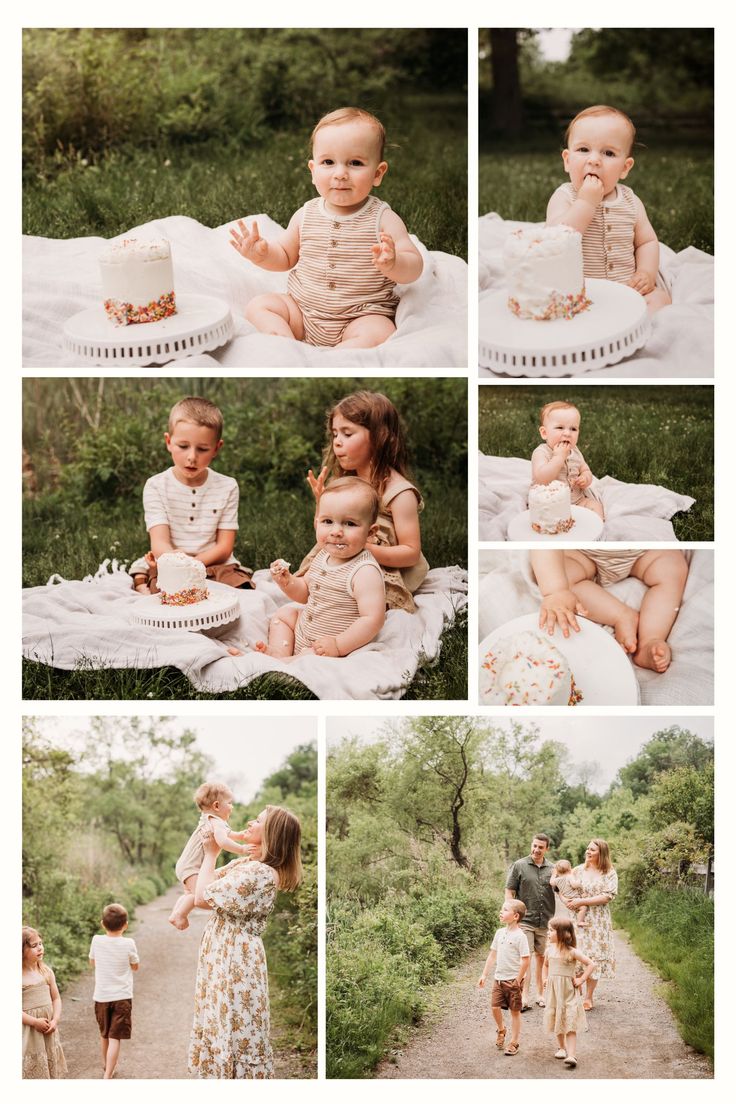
(610, 330)
(201, 324)
(221, 607)
(588, 527)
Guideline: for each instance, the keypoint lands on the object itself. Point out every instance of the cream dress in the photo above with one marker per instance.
(42, 1054)
(564, 1010)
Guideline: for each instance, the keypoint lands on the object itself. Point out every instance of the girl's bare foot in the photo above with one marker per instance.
(178, 921)
(625, 629)
(655, 655)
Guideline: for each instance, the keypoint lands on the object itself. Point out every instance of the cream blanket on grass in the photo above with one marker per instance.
(681, 340)
(633, 511)
(61, 277)
(508, 590)
(87, 624)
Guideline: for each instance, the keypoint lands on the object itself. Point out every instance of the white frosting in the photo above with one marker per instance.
(525, 669)
(279, 565)
(179, 572)
(550, 509)
(544, 272)
(137, 272)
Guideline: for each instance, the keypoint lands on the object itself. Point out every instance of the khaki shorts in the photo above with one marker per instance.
(506, 994)
(536, 938)
(114, 1018)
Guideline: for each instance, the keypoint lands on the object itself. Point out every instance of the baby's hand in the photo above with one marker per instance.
(249, 243)
(280, 573)
(317, 482)
(560, 609)
(583, 480)
(326, 646)
(384, 254)
(562, 448)
(641, 282)
(591, 190)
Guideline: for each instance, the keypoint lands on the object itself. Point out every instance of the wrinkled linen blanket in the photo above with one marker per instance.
(76, 624)
(634, 511)
(61, 277)
(507, 590)
(681, 341)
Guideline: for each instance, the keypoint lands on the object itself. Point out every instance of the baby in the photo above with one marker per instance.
(343, 588)
(618, 240)
(345, 251)
(215, 802)
(560, 458)
(575, 582)
(569, 887)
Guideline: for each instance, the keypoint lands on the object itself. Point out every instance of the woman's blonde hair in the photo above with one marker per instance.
(604, 855)
(28, 934)
(281, 845)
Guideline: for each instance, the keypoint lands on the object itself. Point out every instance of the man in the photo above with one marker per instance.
(528, 880)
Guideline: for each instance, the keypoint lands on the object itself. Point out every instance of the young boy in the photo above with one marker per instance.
(114, 958)
(189, 508)
(346, 250)
(510, 955)
(343, 589)
(560, 458)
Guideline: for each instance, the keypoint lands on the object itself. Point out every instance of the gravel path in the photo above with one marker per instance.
(162, 1005)
(631, 1033)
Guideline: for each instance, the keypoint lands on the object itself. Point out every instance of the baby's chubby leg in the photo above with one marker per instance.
(665, 574)
(180, 915)
(280, 634)
(603, 607)
(366, 332)
(657, 299)
(592, 504)
(277, 315)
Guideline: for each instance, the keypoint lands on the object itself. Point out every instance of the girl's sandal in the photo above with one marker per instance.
(500, 1037)
(511, 1049)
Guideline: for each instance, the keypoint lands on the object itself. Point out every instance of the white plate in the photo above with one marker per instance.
(220, 608)
(588, 527)
(603, 672)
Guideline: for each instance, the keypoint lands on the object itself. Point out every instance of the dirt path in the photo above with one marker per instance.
(162, 1005)
(631, 1033)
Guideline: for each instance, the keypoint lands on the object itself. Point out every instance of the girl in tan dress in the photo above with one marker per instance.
(42, 1053)
(564, 1014)
(366, 438)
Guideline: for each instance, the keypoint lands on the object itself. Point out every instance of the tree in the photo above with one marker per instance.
(685, 794)
(298, 772)
(669, 748)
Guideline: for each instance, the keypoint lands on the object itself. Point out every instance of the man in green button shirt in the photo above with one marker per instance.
(528, 881)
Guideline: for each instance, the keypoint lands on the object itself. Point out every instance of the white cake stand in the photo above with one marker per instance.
(200, 324)
(603, 672)
(221, 607)
(610, 330)
(588, 527)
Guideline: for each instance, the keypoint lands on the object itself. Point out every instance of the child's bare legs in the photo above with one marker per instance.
(515, 1027)
(592, 504)
(180, 913)
(657, 299)
(366, 332)
(580, 916)
(276, 314)
(280, 634)
(665, 574)
(110, 1055)
(602, 606)
(561, 1052)
(500, 1026)
(570, 1044)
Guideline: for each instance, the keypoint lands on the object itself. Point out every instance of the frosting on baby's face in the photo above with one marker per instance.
(599, 146)
(561, 425)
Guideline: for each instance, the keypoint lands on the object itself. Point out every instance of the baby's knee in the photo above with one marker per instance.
(675, 565)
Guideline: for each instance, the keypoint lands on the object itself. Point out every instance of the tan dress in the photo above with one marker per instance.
(573, 467)
(230, 1034)
(595, 939)
(564, 1010)
(401, 583)
(42, 1054)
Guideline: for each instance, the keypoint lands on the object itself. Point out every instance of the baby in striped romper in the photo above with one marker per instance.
(618, 240)
(345, 251)
(342, 596)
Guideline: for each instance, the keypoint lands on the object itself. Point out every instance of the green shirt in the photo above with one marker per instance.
(531, 885)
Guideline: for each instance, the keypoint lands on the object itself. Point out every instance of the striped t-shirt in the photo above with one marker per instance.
(113, 956)
(193, 514)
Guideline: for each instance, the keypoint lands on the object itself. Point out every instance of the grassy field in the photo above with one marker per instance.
(426, 184)
(674, 184)
(661, 435)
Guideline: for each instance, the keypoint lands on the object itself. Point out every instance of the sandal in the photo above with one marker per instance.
(540, 1002)
(500, 1036)
(511, 1049)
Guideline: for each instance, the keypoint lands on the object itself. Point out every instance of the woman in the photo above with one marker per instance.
(230, 1033)
(595, 938)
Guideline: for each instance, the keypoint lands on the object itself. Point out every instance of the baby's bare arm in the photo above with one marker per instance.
(559, 604)
(646, 251)
(546, 471)
(396, 255)
(293, 586)
(579, 214)
(277, 255)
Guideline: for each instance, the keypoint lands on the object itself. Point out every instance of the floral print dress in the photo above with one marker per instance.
(595, 938)
(230, 1033)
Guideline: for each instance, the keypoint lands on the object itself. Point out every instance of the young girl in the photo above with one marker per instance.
(570, 888)
(618, 240)
(42, 1053)
(366, 438)
(560, 458)
(564, 1014)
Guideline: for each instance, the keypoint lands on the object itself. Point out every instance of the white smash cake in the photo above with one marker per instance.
(137, 281)
(527, 669)
(550, 509)
(181, 579)
(544, 272)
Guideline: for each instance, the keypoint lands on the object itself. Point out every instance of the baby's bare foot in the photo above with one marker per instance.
(654, 654)
(262, 646)
(625, 628)
(178, 921)
(234, 651)
(143, 588)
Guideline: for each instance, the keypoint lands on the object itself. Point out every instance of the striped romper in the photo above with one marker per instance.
(331, 607)
(613, 564)
(335, 281)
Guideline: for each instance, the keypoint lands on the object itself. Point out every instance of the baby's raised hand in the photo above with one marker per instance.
(317, 482)
(562, 448)
(280, 573)
(326, 646)
(641, 282)
(384, 254)
(249, 243)
(560, 609)
(591, 190)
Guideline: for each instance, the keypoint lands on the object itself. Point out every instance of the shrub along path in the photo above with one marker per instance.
(163, 1002)
(631, 1033)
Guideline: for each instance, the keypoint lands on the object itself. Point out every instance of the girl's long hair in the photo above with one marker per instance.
(387, 435)
(604, 855)
(28, 934)
(566, 938)
(281, 845)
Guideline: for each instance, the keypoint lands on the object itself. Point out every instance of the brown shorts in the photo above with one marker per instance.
(506, 994)
(114, 1018)
(234, 575)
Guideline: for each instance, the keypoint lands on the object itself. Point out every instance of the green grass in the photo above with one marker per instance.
(674, 184)
(673, 931)
(649, 434)
(426, 184)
